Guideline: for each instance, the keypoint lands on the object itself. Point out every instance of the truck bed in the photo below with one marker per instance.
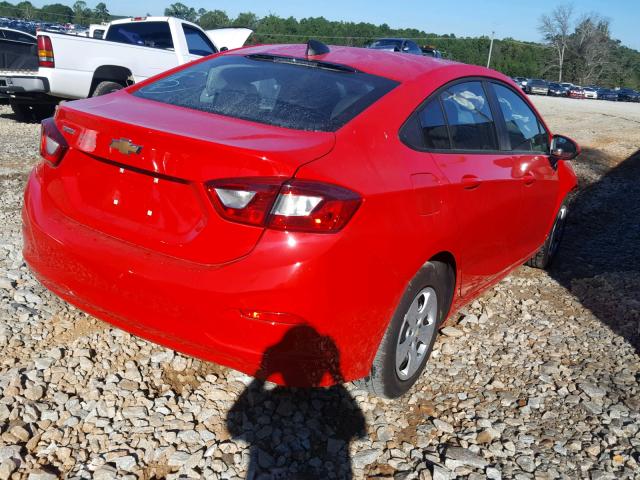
(18, 56)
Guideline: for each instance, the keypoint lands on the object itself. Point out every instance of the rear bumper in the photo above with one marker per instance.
(204, 310)
(21, 84)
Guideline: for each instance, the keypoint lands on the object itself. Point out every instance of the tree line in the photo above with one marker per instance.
(578, 49)
(57, 13)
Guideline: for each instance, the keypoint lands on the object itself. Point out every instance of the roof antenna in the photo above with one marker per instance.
(316, 47)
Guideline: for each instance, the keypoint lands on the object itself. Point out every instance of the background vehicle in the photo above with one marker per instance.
(557, 90)
(253, 200)
(17, 50)
(590, 92)
(402, 45)
(628, 95)
(431, 51)
(576, 92)
(522, 81)
(607, 94)
(72, 66)
(536, 86)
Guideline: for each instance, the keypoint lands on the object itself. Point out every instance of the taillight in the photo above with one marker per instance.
(45, 52)
(297, 205)
(53, 146)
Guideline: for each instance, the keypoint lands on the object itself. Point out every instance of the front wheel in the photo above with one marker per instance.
(408, 341)
(548, 251)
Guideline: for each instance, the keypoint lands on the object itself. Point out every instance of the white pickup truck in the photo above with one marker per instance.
(130, 50)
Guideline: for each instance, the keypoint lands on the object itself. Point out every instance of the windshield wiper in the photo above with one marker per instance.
(303, 62)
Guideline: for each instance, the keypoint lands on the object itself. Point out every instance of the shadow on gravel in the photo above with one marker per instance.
(599, 259)
(302, 433)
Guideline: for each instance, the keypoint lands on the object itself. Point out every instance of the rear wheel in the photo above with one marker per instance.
(548, 251)
(106, 87)
(25, 112)
(408, 341)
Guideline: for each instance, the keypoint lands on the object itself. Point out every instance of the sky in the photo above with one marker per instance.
(508, 18)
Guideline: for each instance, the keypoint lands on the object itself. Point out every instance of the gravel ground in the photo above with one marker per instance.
(539, 378)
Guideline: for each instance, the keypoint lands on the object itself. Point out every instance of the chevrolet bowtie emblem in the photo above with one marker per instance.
(125, 146)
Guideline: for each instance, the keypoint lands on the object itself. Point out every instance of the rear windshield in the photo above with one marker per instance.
(309, 96)
(148, 34)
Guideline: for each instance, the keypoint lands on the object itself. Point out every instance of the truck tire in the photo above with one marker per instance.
(22, 112)
(27, 112)
(106, 87)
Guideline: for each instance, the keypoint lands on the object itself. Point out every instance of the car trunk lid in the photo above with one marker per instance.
(136, 169)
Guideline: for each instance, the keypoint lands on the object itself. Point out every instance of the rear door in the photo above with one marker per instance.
(459, 132)
(528, 144)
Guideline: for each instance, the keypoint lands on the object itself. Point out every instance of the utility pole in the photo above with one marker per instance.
(490, 49)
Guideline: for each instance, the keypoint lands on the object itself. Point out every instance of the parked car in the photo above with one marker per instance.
(522, 81)
(590, 92)
(607, 94)
(576, 92)
(537, 86)
(557, 90)
(247, 200)
(402, 45)
(133, 49)
(431, 51)
(628, 95)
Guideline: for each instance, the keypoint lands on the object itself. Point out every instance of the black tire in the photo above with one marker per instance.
(106, 87)
(544, 257)
(383, 379)
(22, 112)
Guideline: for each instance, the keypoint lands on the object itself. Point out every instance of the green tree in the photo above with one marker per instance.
(81, 14)
(100, 13)
(26, 10)
(214, 19)
(56, 12)
(180, 10)
(246, 19)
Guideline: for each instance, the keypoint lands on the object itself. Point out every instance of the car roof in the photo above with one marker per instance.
(390, 65)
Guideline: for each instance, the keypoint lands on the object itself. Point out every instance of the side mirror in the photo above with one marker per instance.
(563, 148)
(223, 49)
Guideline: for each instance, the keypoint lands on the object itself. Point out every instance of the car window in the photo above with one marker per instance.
(271, 90)
(386, 42)
(434, 126)
(197, 42)
(468, 114)
(523, 127)
(148, 34)
(413, 47)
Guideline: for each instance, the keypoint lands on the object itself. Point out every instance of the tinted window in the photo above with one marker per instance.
(523, 127)
(413, 47)
(387, 43)
(470, 122)
(149, 34)
(197, 41)
(434, 127)
(272, 91)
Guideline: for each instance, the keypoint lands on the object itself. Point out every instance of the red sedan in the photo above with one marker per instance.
(306, 216)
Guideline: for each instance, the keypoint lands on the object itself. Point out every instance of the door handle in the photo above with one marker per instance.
(469, 182)
(528, 178)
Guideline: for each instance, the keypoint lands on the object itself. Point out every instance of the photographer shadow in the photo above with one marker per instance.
(300, 430)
